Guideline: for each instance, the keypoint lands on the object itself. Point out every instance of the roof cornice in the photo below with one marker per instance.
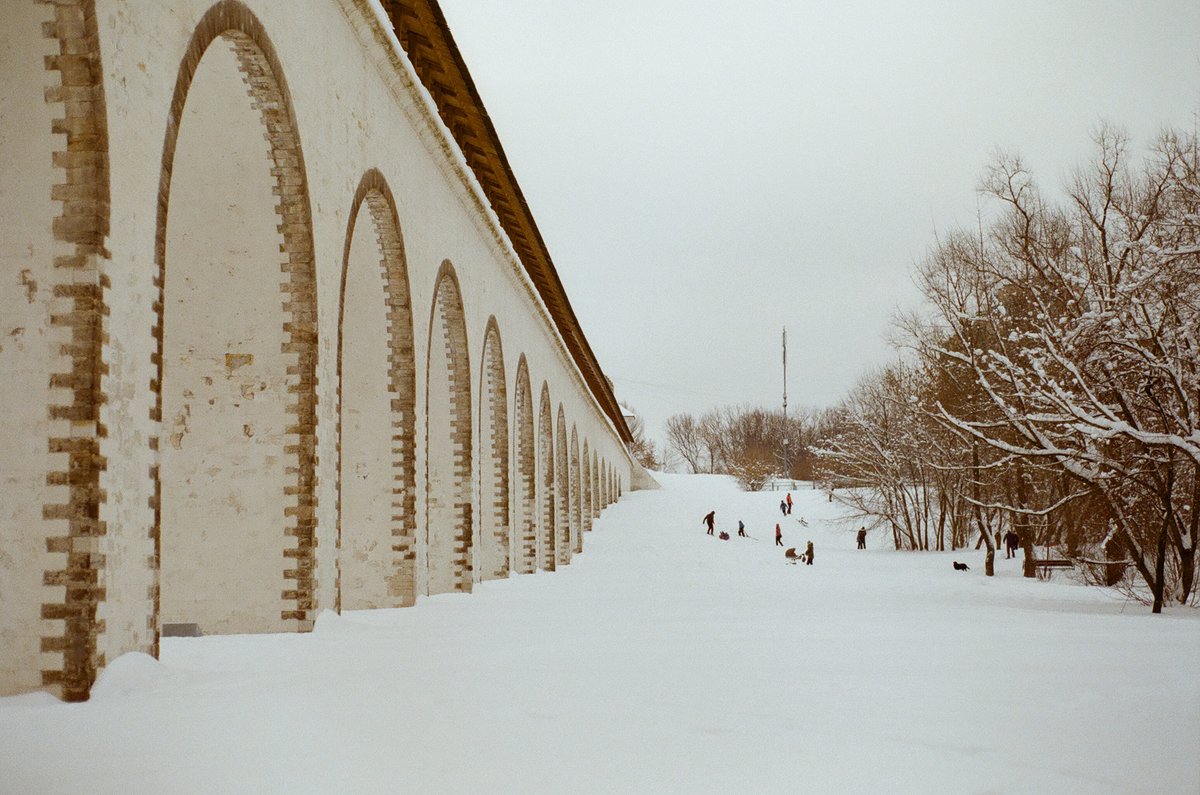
(423, 33)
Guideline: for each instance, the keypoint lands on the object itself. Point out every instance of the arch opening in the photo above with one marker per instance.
(562, 486)
(596, 499)
(449, 554)
(525, 499)
(586, 479)
(604, 483)
(576, 494)
(376, 419)
(234, 505)
(494, 545)
(548, 532)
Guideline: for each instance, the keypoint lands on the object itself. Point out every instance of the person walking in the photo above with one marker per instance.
(789, 503)
(862, 538)
(742, 529)
(1012, 542)
(783, 507)
(710, 520)
(778, 535)
(808, 554)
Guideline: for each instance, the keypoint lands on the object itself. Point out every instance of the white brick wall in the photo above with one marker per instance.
(224, 550)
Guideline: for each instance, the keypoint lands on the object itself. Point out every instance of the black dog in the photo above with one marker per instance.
(961, 566)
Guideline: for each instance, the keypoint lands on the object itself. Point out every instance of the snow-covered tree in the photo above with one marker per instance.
(1077, 329)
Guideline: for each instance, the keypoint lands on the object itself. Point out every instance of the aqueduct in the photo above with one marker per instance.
(279, 332)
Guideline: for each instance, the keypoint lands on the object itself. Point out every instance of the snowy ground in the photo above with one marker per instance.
(662, 659)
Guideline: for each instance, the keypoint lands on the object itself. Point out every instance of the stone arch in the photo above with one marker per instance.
(562, 486)
(548, 532)
(494, 550)
(448, 511)
(576, 494)
(236, 354)
(585, 475)
(376, 389)
(525, 497)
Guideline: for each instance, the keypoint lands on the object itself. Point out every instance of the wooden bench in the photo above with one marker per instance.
(1054, 563)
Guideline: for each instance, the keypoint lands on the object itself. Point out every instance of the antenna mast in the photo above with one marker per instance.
(785, 372)
(787, 459)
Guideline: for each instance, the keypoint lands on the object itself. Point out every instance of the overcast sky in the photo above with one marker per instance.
(707, 173)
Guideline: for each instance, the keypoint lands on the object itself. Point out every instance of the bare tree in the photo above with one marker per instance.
(1056, 388)
(751, 443)
(685, 438)
(712, 433)
(642, 448)
(1078, 327)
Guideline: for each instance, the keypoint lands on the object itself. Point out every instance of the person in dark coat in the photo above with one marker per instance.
(808, 554)
(778, 536)
(783, 507)
(710, 520)
(862, 538)
(1012, 542)
(742, 529)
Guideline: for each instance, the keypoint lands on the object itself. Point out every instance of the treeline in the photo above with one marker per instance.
(1054, 388)
(750, 443)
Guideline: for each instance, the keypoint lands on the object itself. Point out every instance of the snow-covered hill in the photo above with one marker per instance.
(662, 659)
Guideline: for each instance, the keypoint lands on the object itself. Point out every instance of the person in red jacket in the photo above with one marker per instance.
(778, 536)
(789, 503)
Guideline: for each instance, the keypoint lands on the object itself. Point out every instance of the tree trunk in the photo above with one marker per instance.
(1026, 528)
(1030, 565)
(1160, 578)
(989, 564)
(941, 529)
(1114, 552)
(1187, 573)
(1187, 550)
